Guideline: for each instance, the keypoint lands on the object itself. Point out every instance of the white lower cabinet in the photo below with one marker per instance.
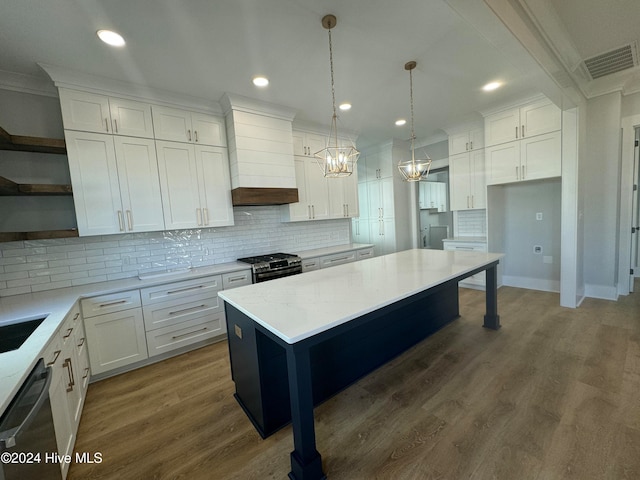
(326, 261)
(117, 338)
(478, 280)
(66, 355)
(338, 259)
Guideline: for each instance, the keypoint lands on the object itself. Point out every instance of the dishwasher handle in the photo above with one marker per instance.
(8, 437)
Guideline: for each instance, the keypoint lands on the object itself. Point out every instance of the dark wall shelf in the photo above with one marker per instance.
(9, 188)
(42, 235)
(31, 144)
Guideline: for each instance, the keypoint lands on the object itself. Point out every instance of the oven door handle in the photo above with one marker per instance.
(284, 272)
(8, 437)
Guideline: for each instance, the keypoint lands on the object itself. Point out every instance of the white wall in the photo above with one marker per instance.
(514, 230)
(601, 174)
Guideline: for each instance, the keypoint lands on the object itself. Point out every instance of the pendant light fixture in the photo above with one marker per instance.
(413, 170)
(339, 157)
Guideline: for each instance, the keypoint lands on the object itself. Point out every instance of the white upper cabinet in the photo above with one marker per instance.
(183, 126)
(89, 112)
(115, 183)
(343, 196)
(195, 185)
(466, 141)
(468, 182)
(528, 159)
(536, 118)
(313, 193)
(307, 144)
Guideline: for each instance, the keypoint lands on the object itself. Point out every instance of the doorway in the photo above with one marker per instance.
(436, 217)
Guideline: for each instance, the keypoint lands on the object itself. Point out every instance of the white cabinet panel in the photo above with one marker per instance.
(535, 118)
(313, 192)
(85, 111)
(541, 156)
(96, 189)
(130, 118)
(179, 185)
(503, 163)
(208, 130)
(502, 127)
(116, 340)
(212, 167)
(171, 124)
(139, 184)
(466, 141)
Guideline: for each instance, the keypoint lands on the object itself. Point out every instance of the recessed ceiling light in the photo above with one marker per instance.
(401, 122)
(345, 106)
(111, 38)
(260, 81)
(491, 86)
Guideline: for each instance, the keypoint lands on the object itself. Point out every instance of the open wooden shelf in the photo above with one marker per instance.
(9, 188)
(42, 235)
(31, 144)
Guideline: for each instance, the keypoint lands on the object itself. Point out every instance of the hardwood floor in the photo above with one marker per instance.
(554, 394)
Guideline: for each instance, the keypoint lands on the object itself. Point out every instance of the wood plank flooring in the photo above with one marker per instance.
(554, 394)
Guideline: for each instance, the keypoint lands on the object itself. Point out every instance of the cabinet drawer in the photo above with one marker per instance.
(465, 246)
(171, 313)
(163, 293)
(236, 279)
(192, 331)
(114, 302)
(365, 253)
(310, 264)
(337, 259)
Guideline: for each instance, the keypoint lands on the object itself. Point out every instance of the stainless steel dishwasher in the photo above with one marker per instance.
(27, 437)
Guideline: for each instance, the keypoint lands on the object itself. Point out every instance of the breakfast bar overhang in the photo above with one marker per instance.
(296, 341)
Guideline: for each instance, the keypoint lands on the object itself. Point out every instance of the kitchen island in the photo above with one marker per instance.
(296, 341)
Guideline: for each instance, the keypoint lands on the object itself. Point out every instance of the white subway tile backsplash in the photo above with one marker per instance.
(471, 223)
(60, 263)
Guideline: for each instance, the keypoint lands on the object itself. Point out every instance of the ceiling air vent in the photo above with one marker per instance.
(613, 61)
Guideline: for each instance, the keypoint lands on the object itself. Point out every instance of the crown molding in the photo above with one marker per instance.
(232, 101)
(19, 82)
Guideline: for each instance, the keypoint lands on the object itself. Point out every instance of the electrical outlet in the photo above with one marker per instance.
(547, 259)
(539, 216)
(537, 249)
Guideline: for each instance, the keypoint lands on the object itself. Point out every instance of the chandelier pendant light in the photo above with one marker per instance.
(413, 170)
(339, 157)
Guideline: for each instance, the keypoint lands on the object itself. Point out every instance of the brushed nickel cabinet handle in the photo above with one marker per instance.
(110, 304)
(75, 317)
(183, 310)
(470, 145)
(517, 177)
(130, 219)
(86, 373)
(471, 201)
(523, 172)
(69, 330)
(309, 211)
(106, 124)
(196, 134)
(175, 337)
(120, 220)
(198, 217)
(466, 146)
(313, 211)
(206, 214)
(82, 340)
(522, 132)
(189, 134)
(180, 290)
(516, 132)
(115, 125)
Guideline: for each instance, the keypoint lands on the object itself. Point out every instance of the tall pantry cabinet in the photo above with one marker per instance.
(384, 199)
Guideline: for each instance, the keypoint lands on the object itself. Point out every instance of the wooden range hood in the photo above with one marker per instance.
(247, 196)
(260, 140)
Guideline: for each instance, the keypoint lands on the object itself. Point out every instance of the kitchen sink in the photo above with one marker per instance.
(14, 334)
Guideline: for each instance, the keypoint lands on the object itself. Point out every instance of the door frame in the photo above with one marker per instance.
(629, 125)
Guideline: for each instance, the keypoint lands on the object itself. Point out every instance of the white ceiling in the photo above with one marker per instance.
(204, 48)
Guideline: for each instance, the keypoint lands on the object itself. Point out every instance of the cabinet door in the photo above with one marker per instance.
(360, 230)
(115, 340)
(388, 236)
(539, 118)
(503, 163)
(65, 437)
(458, 143)
(541, 156)
(301, 210)
(476, 139)
(94, 176)
(171, 124)
(212, 167)
(299, 148)
(460, 181)
(317, 190)
(86, 112)
(502, 127)
(478, 179)
(375, 199)
(351, 195)
(139, 184)
(387, 198)
(314, 143)
(179, 185)
(442, 197)
(208, 130)
(130, 118)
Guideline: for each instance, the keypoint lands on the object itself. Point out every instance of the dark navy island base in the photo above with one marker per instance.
(279, 383)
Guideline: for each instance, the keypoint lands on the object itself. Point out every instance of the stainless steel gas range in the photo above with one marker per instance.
(275, 265)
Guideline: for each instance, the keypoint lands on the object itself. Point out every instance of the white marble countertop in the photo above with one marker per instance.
(298, 307)
(321, 252)
(466, 239)
(55, 304)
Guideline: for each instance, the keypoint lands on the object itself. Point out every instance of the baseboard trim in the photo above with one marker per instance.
(542, 284)
(604, 292)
